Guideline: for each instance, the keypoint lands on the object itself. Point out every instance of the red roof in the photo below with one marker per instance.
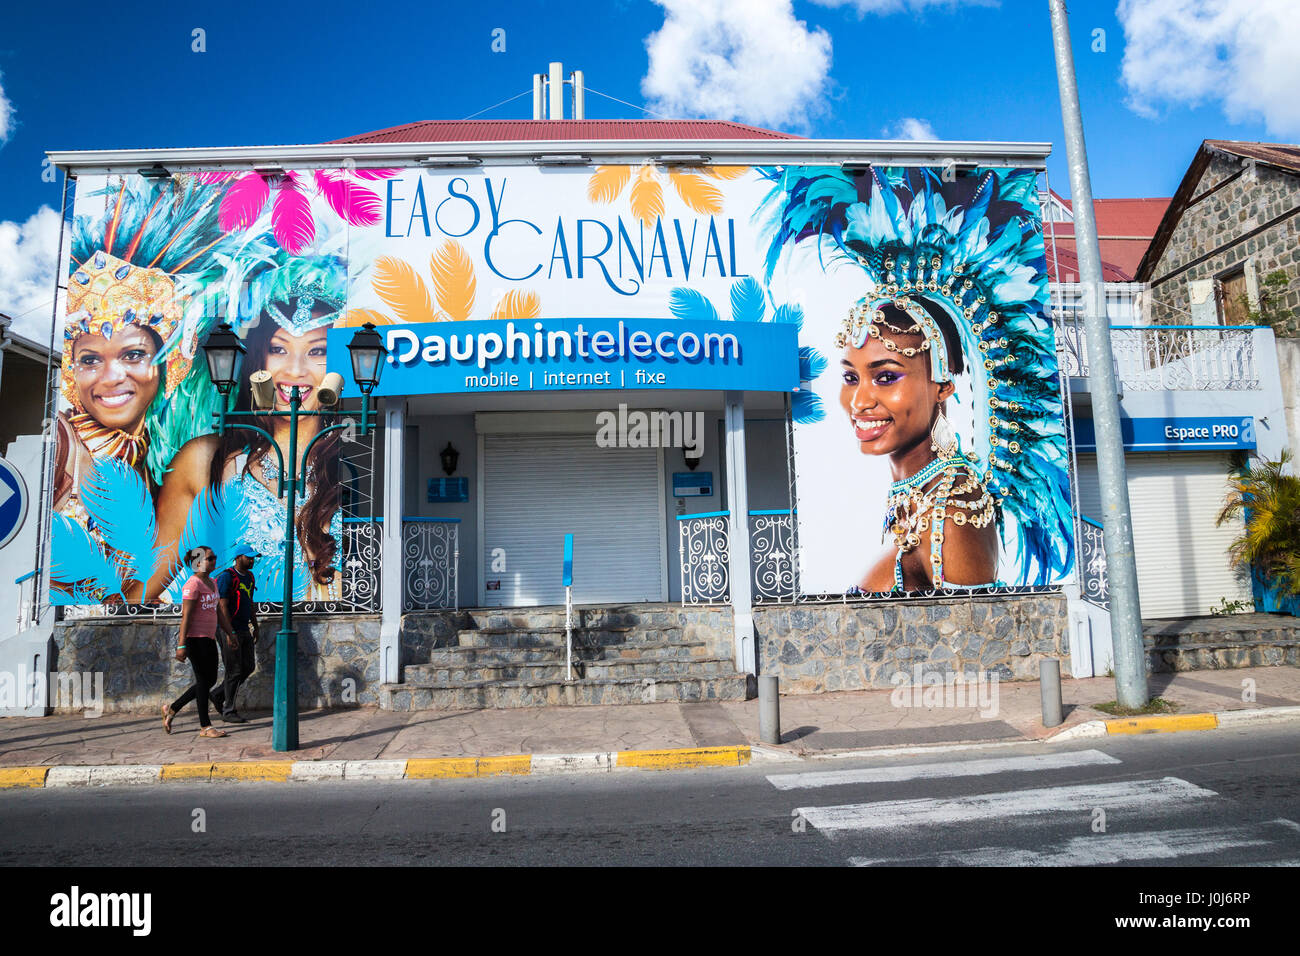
(1125, 228)
(481, 131)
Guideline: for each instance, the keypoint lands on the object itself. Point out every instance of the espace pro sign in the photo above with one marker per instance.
(1174, 434)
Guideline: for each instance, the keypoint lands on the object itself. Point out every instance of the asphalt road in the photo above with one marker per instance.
(1220, 798)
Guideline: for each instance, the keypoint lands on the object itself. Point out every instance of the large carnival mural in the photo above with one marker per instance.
(928, 403)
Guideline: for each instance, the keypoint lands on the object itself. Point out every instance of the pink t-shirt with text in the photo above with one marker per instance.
(203, 619)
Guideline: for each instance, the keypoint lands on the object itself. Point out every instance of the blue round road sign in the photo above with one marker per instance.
(13, 502)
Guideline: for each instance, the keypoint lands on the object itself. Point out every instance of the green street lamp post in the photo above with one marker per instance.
(225, 355)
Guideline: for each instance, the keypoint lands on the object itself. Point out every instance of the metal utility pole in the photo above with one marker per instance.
(1121, 566)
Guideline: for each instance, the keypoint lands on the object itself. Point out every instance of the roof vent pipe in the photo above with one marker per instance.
(556, 89)
(539, 93)
(579, 96)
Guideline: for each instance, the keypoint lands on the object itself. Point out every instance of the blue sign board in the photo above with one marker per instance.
(13, 502)
(448, 489)
(1174, 434)
(692, 484)
(580, 354)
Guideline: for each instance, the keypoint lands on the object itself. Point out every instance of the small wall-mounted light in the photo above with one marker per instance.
(436, 161)
(156, 171)
(692, 460)
(268, 169)
(856, 169)
(262, 389)
(449, 456)
(562, 159)
(683, 159)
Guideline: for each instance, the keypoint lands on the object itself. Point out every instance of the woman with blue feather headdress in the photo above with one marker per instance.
(957, 283)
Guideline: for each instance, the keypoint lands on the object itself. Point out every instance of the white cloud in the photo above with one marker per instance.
(910, 127)
(1239, 53)
(6, 116)
(747, 60)
(28, 262)
(865, 7)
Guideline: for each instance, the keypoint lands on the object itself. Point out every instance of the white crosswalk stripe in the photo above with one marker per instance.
(886, 814)
(1097, 849)
(964, 768)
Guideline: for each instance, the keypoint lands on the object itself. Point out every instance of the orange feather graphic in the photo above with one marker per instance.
(726, 172)
(405, 292)
(647, 197)
(453, 280)
(518, 304)
(697, 192)
(607, 182)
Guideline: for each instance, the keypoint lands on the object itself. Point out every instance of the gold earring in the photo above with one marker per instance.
(943, 439)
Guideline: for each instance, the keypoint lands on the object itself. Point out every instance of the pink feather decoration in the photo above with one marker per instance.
(364, 208)
(214, 176)
(291, 219)
(334, 189)
(375, 173)
(243, 202)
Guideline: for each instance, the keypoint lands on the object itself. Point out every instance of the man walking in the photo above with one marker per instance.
(236, 586)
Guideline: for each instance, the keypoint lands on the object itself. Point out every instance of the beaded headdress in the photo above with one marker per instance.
(973, 250)
(291, 288)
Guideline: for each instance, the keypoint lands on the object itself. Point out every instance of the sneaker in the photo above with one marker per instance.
(233, 718)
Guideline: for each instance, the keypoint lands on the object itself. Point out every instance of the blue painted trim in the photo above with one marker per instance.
(787, 512)
(568, 560)
(706, 514)
(411, 519)
(1086, 520)
(29, 574)
(362, 520)
(1194, 328)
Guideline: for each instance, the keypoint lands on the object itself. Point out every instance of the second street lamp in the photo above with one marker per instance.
(224, 353)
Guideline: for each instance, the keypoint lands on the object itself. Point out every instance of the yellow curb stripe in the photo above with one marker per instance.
(23, 776)
(1162, 723)
(511, 764)
(187, 771)
(683, 759)
(253, 770)
(435, 768)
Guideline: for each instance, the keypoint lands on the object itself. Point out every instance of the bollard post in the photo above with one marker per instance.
(769, 709)
(1049, 683)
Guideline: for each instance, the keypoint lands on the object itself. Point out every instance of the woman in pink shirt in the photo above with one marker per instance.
(197, 641)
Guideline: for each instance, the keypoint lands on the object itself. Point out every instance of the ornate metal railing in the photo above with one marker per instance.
(430, 563)
(1092, 564)
(1168, 358)
(704, 548)
(358, 584)
(772, 557)
(704, 545)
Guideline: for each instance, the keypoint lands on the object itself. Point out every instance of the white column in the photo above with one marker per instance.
(391, 574)
(738, 503)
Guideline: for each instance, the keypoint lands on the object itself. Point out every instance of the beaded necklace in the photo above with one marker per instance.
(912, 509)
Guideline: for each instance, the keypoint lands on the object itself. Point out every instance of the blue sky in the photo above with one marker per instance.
(105, 76)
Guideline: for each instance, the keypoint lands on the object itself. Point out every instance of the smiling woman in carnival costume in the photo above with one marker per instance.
(958, 282)
(129, 340)
(225, 486)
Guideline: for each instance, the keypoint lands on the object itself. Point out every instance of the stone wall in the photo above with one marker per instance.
(141, 673)
(1241, 206)
(824, 647)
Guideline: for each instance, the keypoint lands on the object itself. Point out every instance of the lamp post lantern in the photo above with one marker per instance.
(225, 353)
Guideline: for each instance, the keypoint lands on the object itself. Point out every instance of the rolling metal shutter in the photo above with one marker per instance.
(536, 488)
(1182, 556)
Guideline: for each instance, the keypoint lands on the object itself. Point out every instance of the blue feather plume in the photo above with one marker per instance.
(117, 499)
(806, 407)
(75, 559)
(747, 304)
(790, 314)
(692, 305)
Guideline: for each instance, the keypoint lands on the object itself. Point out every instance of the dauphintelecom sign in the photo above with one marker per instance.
(521, 278)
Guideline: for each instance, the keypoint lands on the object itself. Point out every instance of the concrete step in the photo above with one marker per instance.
(532, 618)
(554, 636)
(1224, 655)
(496, 671)
(480, 695)
(647, 650)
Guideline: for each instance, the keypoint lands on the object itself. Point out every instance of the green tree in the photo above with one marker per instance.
(1267, 496)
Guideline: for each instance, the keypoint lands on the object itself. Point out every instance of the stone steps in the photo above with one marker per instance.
(1205, 656)
(544, 671)
(480, 695)
(623, 654)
